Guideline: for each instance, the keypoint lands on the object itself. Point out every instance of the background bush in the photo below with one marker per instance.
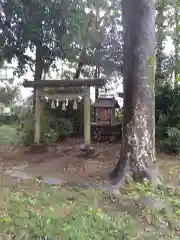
(75, 116)
(8, 135)
(52, 129)
(171, 141)
(62, 126)
(168, 117)
(58, 124)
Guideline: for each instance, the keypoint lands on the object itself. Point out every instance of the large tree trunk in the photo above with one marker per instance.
(38, 70)
(37, 105)
(138, 144)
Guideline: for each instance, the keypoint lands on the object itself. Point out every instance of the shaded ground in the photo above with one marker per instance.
(66, 161)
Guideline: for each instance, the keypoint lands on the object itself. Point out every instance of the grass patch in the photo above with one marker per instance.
(8, 134)
(59, 213)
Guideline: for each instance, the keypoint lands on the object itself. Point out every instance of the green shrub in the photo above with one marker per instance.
(171, 141)
(76, 117)
(62, 126)
(48, 134)
(119, 115)
(168, 118)
(8, 134)
(26, 131)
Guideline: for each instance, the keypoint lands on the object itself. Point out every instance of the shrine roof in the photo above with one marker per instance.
(106, 102)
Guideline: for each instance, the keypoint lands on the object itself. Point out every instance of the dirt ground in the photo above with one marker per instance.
(66, 161)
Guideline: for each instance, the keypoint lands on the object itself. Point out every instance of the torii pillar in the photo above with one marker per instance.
(87, 117)
(37, 116)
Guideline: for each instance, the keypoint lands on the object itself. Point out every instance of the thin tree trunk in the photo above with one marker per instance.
(97, 72)
(96, 75)
(160, 7)
(177, 42)
(138, 144)
(78, 70)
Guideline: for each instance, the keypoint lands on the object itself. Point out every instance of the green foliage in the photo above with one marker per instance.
(33, 25)
(8, 93)
(168, 117)
(58, 30)
(8, 134)
(52, 129)
(171, 141)
(48, 134)
(59, 213)
(118, 115)
(76, 117)
(59, 218)
(8, 119)
(62, 126)
(26, 131)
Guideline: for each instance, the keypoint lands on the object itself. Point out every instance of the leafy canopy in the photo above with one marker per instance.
(33, 25)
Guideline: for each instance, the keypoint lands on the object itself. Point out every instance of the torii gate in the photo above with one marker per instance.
(65, 89)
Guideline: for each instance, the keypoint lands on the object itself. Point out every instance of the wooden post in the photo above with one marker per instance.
(37, 134)
(87, 117)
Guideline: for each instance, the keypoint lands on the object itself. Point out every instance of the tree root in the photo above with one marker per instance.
(122, 173)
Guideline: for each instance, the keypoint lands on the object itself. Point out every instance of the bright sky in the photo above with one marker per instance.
(29, 75)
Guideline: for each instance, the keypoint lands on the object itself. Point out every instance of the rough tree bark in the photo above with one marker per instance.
(39, 64)
(37, 104)
(138, 144)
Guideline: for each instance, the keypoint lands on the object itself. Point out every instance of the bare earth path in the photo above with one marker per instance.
(66, 162)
